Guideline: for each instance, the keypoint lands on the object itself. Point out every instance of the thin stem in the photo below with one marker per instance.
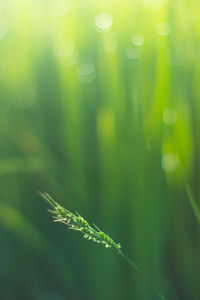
(129, 261)
(132, 264)
(161, 295)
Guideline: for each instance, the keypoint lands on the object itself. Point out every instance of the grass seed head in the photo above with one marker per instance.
(78, 223)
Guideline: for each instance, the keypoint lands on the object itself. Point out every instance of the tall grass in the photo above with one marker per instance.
(95, 107)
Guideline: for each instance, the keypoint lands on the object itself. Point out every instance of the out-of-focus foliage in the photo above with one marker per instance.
(99, 102)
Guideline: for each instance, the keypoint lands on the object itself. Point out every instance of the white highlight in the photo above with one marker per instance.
(103, 22)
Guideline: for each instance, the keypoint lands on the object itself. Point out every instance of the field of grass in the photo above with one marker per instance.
(100, 107)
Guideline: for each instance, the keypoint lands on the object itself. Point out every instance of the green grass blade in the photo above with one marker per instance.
(190, 195)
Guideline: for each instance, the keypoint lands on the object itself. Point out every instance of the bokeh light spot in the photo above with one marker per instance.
(64, 48)
(87, 78)
(103, 22)
(65, 52)
(132, 52)
(137, 39)
(85, 65)
(169, 162)
(86, 69)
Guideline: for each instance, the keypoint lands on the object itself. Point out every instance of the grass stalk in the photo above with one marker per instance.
(93, 233)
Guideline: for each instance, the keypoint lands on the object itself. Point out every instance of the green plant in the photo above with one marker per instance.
(78, 223)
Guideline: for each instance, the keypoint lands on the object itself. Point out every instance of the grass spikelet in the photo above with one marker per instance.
(78, 223)
(93, 233)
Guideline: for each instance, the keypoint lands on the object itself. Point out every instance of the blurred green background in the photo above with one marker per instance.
(99, 103)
